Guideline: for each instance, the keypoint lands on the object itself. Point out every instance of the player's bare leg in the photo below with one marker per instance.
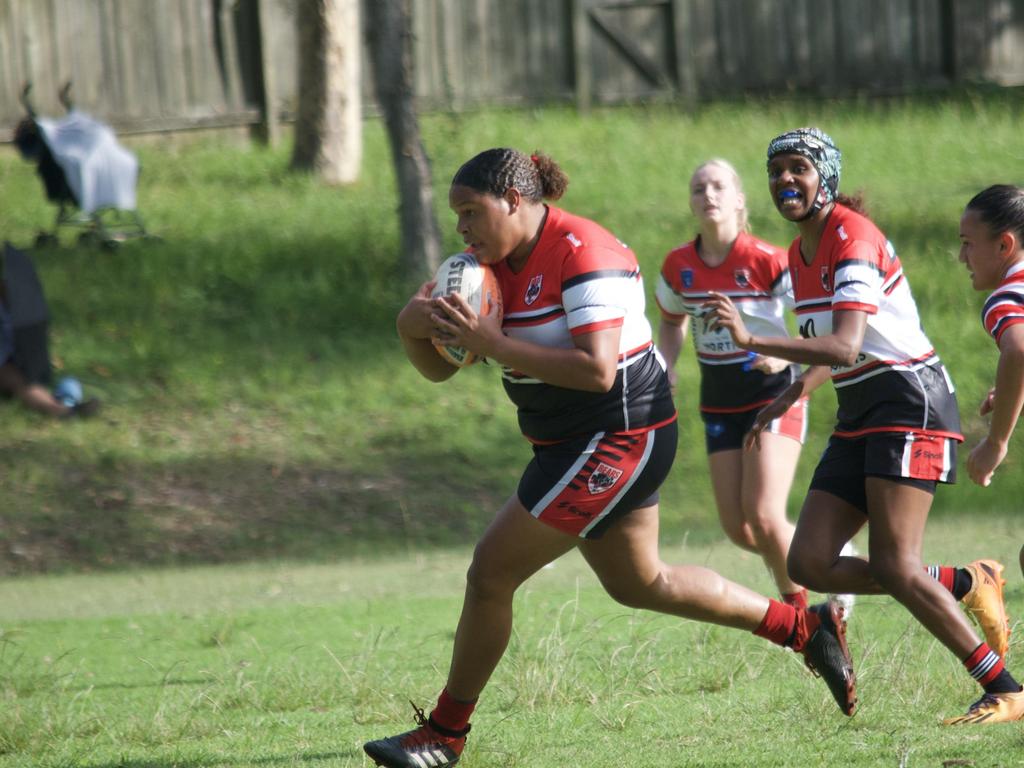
(726, 467)
(825, 525)
(630, 568)
(627, 561)
(753, 511)
(767, 477)
(895, 540)
(514, 547)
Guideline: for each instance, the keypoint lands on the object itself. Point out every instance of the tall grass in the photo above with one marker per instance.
(258, 403)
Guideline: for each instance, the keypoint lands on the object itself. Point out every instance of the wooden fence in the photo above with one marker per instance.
(167, 65)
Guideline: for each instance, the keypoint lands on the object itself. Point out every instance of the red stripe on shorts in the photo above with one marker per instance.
(926, 457)
(590, 493)
(793, 423)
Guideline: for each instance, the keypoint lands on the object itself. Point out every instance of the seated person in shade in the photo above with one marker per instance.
(25, 370)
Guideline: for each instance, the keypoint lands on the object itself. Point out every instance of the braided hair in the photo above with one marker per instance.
(496, 171)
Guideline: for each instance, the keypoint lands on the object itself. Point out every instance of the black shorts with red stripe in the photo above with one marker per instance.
(921, 461)
(903, 426)
(582, 486)
(726, 431)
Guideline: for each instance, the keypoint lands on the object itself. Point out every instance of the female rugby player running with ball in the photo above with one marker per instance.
(898, 424)
(593, 398)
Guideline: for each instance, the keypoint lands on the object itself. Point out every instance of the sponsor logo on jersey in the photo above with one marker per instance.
(826, 280)
(742, 277)
(842, 233)
(573, 239)
(686, 277)
(603, 478)
(533, 289)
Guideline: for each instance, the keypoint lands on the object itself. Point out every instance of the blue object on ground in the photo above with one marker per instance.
(68, 391)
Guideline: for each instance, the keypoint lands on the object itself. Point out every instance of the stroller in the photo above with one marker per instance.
(85, 171)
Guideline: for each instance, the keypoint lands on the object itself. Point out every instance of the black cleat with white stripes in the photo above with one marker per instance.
(428, 746)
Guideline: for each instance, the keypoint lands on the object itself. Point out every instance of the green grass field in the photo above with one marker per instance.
(255, 556)
(298, 664)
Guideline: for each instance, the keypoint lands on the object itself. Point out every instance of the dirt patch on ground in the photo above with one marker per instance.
(87, 518)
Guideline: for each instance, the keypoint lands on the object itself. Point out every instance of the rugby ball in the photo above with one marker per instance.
(477, 284)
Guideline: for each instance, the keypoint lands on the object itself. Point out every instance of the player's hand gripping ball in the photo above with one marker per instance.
(476, 283)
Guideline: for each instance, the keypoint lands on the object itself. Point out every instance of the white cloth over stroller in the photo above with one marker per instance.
(99, 171)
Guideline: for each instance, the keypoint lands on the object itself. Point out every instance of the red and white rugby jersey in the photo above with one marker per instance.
(580, 279)
(755, 275)
(1005, 306)
(898, 383)
(857, 268)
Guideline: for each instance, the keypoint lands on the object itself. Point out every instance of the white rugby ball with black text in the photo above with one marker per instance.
(477, 284)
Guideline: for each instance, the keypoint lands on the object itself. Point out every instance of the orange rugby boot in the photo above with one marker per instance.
(992, 708)
(985, 603)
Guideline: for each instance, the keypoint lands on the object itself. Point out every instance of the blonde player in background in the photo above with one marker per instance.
(750, 487)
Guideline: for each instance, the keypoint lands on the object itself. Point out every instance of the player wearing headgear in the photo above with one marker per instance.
(992, 248)
(897, 423)
(579, 362)
(750, 487)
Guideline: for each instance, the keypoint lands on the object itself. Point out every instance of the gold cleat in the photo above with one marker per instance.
(992, 708)
(985, 603)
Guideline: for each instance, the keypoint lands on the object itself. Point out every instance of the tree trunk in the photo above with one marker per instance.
(329, 126)
(391, 50)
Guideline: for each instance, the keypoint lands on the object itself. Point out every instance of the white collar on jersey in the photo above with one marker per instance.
(1018, 267)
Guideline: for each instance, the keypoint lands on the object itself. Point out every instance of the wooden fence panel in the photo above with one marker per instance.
(173, 64)
(140, 64)
(1005, 62)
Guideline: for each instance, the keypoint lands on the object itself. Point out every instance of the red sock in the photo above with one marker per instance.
(786, 625)
(984, 665)
(942, 574)
(796, 599)
(451, 713)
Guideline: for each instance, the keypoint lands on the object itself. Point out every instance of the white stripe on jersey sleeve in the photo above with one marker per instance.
(598, 300)
(668, 299)
(857, 282)
(1000, 307)
(605, 298)
(782, 289)
(893, 279)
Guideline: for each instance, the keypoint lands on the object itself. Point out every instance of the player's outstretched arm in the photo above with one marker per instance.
(809, 380)
(840, 347)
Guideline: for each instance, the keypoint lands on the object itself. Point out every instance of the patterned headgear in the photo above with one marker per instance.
(818, 147)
